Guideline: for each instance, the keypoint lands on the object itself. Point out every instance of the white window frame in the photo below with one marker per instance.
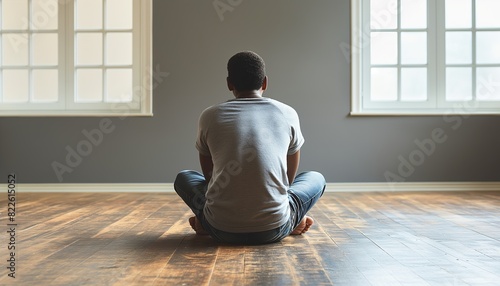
(435, 104)
(142, 69)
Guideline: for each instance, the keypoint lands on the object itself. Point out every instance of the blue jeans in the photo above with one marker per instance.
(305, 191)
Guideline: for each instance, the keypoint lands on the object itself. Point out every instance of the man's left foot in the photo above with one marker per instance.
(196, 226)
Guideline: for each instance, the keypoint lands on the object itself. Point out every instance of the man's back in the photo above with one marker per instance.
(249, 140)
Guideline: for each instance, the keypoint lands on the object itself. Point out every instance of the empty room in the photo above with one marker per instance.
(249, 142)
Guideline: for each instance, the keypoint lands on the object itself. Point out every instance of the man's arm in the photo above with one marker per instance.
(207, 166)
(292, 164)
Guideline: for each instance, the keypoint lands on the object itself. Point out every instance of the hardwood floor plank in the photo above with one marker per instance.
(125, 254)
(229, 268)
(192, 262)
(337, 265)
(305, 261)
(267, 265)
(154, 252)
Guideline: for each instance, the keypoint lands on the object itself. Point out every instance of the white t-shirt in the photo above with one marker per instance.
(249, 140)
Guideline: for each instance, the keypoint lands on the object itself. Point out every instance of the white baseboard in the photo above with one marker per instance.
(331, 187)
(97, 188)
(413, 187)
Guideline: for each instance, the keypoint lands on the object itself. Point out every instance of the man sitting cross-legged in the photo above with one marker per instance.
(249, 151)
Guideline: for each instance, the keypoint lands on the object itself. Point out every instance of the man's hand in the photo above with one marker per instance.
(207, 166)
(292, 164)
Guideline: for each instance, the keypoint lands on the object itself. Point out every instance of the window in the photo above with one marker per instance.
(425, 57)
(75, 57)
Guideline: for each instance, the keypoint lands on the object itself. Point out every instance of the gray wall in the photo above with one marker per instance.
(300, 41)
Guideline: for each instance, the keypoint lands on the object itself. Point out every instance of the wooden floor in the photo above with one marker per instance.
(425, 238)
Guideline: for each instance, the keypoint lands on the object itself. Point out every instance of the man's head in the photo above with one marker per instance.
(246, 71)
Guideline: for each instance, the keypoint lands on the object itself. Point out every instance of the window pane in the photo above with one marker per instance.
(14, 14)
(89, 48)
(15, 49)
(119, 48)
(45, 49)
(119, 85)
(384, 48)
(488, 84)
(44, 15)
(458, 84)
(384, 14)
(384, 84)
(488, 47)
(45, 85)
(88, 85)
(414, 48)
(89, 14)
(458, 47)
(413, 14)
(15, 86)
(487, 13)
(119, 14)
(414, 84)
(458, 14)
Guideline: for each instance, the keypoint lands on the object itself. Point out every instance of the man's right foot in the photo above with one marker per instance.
(303, 226)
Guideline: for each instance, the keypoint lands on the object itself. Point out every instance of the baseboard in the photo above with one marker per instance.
(413, 187)
(331, 187)
(97, 188)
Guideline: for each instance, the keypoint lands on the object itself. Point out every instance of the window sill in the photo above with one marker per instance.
(5, 113)
(422, 113)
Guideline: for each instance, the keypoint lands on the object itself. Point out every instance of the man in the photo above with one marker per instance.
(249, 151)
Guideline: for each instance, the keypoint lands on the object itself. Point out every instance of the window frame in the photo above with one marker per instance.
(142, 73)
(435, 103)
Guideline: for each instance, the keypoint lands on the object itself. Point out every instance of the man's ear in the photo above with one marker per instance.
(264, 83)
(230, 86)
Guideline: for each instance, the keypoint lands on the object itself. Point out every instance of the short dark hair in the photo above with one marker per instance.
(246, 71)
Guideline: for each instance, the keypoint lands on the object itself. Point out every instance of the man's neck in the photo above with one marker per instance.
(248, 94)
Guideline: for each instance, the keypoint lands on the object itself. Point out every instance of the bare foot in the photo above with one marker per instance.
(303, 226)
(196, 226)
